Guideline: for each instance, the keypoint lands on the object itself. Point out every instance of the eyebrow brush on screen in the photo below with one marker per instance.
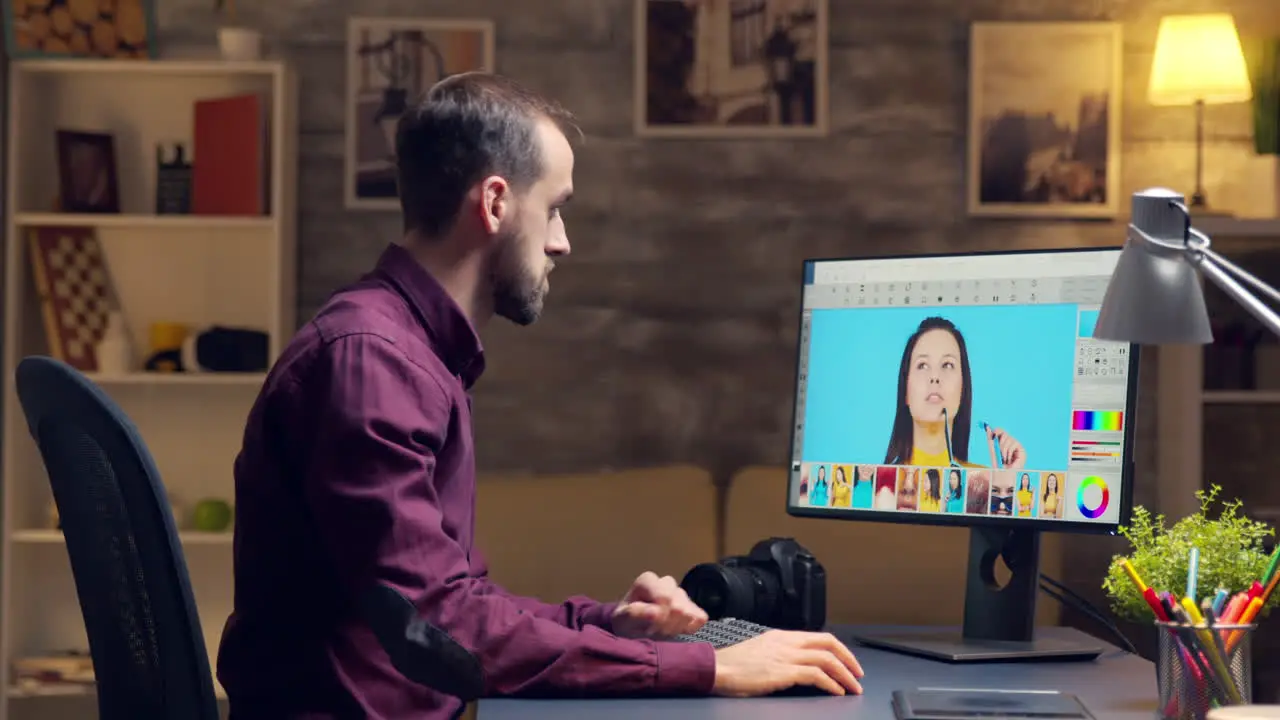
(997, 456)
(946, 436)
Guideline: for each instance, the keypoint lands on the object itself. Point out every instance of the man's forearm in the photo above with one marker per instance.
(531, 647)
(576, 612)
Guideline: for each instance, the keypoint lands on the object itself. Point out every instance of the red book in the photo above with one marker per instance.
(229, 167)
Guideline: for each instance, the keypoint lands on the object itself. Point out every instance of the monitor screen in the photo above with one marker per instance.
(962, 390)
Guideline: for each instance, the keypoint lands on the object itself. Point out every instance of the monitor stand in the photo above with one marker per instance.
(999, 622)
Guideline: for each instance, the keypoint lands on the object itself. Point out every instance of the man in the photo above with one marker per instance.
(358, 470)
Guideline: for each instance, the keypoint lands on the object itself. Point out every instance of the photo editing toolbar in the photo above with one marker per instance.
(967, 385)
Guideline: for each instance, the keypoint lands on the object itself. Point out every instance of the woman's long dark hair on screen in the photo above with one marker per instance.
(902, 439)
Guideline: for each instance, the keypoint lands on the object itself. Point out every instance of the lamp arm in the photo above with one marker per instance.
(1241, 274)
(1219, 271)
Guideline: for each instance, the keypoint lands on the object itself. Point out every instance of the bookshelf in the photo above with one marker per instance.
(235, 271)
(1192, 413)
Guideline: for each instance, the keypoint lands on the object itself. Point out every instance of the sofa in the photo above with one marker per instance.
(552, 536)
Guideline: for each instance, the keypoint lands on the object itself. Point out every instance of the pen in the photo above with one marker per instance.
(1271, 587)
(1211, 650)
(1132, 572)
(1216, 634)
(1154, 602)
(1148, 593)
(1246, 618)
(1220, 601)
(1272, 566)
(1193, 573)
(1255, 590)
(1200, 667)
(1185, 646)
(1234, 608)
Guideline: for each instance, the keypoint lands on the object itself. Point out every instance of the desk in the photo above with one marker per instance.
(1117, 686)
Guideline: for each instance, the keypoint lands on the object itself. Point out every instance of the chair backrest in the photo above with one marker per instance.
(148, 650)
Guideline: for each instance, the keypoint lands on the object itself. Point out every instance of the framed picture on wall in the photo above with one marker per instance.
(1044, 119)
(390, 62)
(731, 68)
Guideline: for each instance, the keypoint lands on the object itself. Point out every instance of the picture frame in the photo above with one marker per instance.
(1044, 139)
(122, 29)
(390, 62)
(762, 69)
(88, 180)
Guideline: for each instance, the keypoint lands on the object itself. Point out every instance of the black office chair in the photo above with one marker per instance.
(135, 594)
(148, 650)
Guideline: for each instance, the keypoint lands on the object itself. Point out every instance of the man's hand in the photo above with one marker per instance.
(781, 659)
(656, 608)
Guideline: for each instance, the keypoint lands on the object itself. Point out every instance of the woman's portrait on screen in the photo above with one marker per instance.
(909, 489)
(1051, 500)
(934, 416)
(931, 491)
(978, 498)
(887, 488)
(1002, 493)
(841, 490)
(820, 490)
(864, 480)
(953, 500)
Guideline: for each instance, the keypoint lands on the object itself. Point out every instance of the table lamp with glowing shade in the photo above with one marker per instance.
(1198, 61)
(1155, 296)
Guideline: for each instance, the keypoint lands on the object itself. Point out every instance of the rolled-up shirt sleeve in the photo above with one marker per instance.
(380, 419)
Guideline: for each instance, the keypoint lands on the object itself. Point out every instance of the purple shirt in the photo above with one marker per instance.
(358, 467)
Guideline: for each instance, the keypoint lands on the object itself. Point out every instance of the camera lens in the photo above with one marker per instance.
(747, 593)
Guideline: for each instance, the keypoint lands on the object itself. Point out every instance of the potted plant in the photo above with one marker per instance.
(236, 41)
(1232, 555)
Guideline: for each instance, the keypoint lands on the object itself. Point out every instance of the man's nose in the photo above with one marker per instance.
(558, 246)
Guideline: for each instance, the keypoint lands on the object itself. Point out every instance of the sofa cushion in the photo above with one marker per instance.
(877, 573)
(553, 536)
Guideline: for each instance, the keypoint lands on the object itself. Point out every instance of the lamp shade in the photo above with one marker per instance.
(1198, 58)
(1155, 296)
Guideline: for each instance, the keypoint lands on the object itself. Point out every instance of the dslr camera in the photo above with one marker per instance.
(778, 584)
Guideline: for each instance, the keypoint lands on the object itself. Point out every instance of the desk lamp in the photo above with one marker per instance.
(1198, 61)
(1154, 296)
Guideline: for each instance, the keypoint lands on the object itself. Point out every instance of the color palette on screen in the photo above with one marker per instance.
(1098, 420)
(1092, 497)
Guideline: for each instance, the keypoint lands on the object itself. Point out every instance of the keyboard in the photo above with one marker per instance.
(724, 632)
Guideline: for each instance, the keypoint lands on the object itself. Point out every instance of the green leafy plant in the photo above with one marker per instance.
(1231, 548)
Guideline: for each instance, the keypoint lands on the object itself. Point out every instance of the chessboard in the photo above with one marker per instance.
(75, 291)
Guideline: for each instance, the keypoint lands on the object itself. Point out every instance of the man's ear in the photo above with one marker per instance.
(495, 203)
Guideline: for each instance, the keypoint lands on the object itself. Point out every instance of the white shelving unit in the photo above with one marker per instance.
(1181, 394)
(233, 271)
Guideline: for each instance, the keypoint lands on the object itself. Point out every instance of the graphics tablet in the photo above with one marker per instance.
(967, 704)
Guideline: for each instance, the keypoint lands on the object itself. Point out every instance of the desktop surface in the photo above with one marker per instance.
(1117, 686)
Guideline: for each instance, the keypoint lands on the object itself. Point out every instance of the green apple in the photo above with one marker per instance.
(211, 515)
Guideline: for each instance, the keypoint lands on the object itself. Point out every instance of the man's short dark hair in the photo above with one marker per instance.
(465, 128)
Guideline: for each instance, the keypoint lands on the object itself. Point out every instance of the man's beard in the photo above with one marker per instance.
(517, 289)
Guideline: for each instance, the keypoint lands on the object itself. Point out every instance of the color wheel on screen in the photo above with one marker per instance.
(1092, 497)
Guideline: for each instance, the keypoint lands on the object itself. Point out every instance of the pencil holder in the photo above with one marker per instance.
(1199, 668)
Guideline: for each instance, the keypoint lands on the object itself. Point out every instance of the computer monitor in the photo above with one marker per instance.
(966, 390)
